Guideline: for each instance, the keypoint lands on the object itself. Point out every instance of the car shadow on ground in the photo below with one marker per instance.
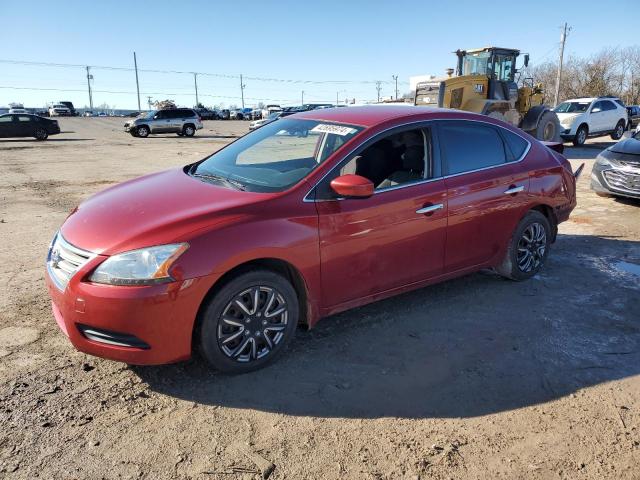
(33, 140)
(472, 346)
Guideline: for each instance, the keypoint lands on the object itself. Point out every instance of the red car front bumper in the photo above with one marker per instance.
(146, 325)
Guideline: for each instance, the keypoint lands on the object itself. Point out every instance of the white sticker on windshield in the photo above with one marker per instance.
(335, 129)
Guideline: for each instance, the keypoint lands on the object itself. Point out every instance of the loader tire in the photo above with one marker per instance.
(548, 129)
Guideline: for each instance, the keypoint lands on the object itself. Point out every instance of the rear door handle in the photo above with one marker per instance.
(513, 190)
(430, 208)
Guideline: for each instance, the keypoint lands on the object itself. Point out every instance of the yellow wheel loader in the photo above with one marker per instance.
(485, 83)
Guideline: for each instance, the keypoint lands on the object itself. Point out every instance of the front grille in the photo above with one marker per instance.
(64, 260)
(621, 180)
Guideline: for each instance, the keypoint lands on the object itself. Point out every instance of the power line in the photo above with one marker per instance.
(7, 87)
(180, 72)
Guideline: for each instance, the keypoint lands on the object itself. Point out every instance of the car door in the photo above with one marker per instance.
(485, 190)
(393, 238)
(24, 125)
(161, 121)
(610, 117)
(176, 120)
(7, 127)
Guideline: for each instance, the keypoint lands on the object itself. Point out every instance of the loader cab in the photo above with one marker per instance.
(497, 64)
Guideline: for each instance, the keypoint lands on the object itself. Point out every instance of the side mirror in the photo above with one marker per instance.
(352, 186)
(526, 60)
(596, 110)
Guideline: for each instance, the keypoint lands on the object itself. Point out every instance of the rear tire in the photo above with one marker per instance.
(41, 134)
(142, 131)
(238, 335)
(528, 248)
(189, 130)
(619, 131)
(581, 135)
(548, 129)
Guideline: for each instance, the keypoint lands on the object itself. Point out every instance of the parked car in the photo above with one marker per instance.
(59, 110)
(182, 121)
(271, 118)
(89, 113)
(269, 109)
(227, 255)
(27, 125)
(634, 116)
(18, 110)
(224, 114)
(616, 171)
(581, 118)
(72, 109)
(206, 114)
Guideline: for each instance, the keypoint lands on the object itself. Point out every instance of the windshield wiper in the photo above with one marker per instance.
(221, 179)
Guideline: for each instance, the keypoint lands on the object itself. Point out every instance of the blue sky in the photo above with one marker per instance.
(358, 42)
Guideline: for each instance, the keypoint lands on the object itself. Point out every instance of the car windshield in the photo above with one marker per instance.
(276, 156)
(572, 107)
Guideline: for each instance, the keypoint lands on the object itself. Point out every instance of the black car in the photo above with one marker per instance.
(206, 114)
(27, 125)
(634, 116)
(616, 170)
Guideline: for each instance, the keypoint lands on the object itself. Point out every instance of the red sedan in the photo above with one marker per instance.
(305, 217)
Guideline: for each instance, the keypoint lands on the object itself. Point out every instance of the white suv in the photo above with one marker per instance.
(589, 117)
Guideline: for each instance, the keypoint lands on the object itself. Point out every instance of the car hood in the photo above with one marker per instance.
(629, 146)
(567, 117)
(156, 209)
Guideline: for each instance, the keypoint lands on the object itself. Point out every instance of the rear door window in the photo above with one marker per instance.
(470, 146)
(516, 145)
(607, 105)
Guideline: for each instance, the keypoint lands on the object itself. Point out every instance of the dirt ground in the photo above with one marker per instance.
(476, 378)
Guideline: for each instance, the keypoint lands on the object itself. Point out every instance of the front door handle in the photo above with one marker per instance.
(430, 208)
(513, 190)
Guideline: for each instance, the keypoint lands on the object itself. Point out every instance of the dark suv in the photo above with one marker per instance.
(183, 121)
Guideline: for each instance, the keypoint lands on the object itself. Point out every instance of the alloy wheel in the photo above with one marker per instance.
(582, 136)
(188, 131)
(252, 324)
(532, 247)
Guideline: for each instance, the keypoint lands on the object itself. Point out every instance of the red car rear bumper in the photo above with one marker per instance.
(138, 325)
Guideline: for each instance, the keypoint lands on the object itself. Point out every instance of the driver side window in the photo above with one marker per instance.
(397, 159)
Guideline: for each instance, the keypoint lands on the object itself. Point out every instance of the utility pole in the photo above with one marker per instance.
(302, 101)
(135, 64)
(242, 85)
(378, 88)
(563, 39)
(395, 77)
(337, 101)
(195, 82)
(89, 78)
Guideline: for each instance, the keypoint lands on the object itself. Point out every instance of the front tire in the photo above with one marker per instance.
(142, 131)
(619, 131)
(528, 248)
(581, 136)
(248, 322)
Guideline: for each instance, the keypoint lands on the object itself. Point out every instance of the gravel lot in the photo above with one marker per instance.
(474, 378)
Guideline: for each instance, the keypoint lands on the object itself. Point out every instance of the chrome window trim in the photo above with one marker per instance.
(406, 185)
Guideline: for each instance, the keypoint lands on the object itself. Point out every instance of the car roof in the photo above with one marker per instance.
(369, 115)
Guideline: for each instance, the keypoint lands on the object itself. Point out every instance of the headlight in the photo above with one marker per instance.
(146, 266)
(603, 162)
